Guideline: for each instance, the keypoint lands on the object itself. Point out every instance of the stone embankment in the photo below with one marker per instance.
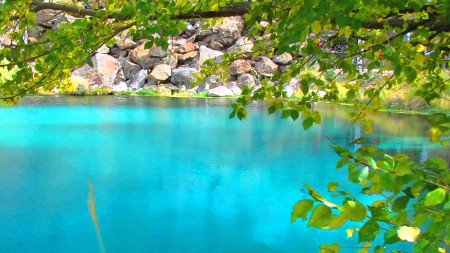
(129, 65)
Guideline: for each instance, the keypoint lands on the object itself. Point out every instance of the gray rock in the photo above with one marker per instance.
(210, 83)
(221, 91)
(246, 79)
(120, 87)
(161, 72)
(117, 52)
(243, 44)
(120, 77)
(103, 49)
(207, 53)
(130, 69)
(234, 88)
(265, 67)
(138, 80)
(183, 76)
(283, 59)
(61, 20)
(228, 31)
(216, 45)
(171, 60)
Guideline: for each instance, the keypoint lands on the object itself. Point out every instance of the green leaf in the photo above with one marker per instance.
(354, 210)
(379, 249)
(435, 197)
(369, 231)
(307, 123)
(301, 209)
(337, 221)
(400, 203)
(319, 197)
(272, 109)
(390, 236)
(332, 186)
(330, 248)
(294, 114)
(321, 216)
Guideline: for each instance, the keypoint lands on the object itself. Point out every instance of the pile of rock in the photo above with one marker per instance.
(130, 65)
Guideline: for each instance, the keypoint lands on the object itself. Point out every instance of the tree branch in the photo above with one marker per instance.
(233, 9)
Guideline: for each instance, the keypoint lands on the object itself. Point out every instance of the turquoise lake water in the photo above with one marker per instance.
(172, 175)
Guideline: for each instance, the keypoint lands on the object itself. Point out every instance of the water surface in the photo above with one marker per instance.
(171, 175)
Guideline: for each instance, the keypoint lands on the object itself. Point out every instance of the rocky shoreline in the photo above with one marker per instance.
(129, 66)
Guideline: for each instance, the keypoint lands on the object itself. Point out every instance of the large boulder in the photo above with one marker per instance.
(234, 88)
(147, 57)
(120, 87)
(183, 76)
(220, 91)
(138, 80)
(47, 17)
(208, 53)
(130, 69)
(227, 31)
(161, 72)
(265, 67)
(247, 80)
(240, 66)
(85, 76)
(107, 67)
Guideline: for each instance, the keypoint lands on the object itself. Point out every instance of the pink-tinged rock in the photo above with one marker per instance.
(125, 43)
(107, 67)
(147, 58)
(241, 66)
(103, 72)
(185, 48)
(85, 76)
(188, 56)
